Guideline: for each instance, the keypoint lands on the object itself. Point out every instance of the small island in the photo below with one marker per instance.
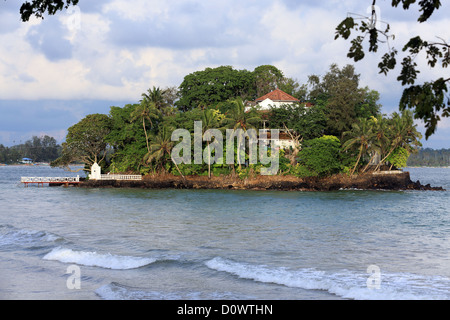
(236, 129)
(399, 182)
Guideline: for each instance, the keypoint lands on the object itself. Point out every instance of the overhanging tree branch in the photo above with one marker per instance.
(427, 100)
(39, 7)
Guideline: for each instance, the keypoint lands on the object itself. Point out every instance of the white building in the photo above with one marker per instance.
(27, 161)
(275, 99)
(96, 172)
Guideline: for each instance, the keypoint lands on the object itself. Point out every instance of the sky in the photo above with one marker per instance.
(103, 53)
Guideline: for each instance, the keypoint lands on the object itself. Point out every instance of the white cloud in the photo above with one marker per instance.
(125, 45)
(139, 10)
(115, 50)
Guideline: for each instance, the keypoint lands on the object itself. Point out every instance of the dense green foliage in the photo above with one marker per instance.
(86, 141)
(214, 85)
(39, 149)
(307, 122)
(382, 136)
(399, 157)
(337, 128)
(321, 156)
(344, 99)
(127, 139)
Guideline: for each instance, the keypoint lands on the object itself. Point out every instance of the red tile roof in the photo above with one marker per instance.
(278, 95)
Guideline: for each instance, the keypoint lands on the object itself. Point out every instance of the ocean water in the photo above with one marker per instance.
(75, 243)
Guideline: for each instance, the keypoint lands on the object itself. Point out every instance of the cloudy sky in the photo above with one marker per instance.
(104, 53)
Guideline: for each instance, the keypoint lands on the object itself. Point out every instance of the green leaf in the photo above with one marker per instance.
(356, 51)
(344, 28)
(388, 62)
(409, 72)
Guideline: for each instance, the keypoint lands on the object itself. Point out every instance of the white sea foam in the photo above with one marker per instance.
(345, 283)
(116, 291)
(94, 259)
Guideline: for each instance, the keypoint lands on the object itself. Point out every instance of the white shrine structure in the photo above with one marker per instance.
(96, 174)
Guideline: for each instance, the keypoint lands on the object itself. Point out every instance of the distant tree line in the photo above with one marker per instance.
(430, 158)
(39, 149)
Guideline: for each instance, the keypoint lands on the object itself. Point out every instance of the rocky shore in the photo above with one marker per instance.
(398, 181)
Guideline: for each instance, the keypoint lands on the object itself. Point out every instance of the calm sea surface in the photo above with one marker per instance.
(73, 243)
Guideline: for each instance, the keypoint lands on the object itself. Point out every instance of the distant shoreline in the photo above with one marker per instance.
(37, 164)
(443, 167)
(25, 164)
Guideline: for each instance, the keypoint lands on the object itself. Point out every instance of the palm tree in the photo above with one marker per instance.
(146, 110)
(403, 133)
(160, 148)
(361, 136)
(380, 138)
(156, 96)
(210, 120)
(238, 118)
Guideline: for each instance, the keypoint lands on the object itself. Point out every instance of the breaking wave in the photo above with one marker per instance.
(94, 259)
(345, 283)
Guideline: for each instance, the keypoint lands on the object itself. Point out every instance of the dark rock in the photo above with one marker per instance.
(399, 181)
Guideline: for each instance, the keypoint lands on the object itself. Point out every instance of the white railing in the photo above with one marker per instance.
(388, 172)
(49, 179)
(120, 177)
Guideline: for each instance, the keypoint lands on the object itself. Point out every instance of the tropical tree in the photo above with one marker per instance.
(155, 95)
(214, 85)
(161, 149)
(127, 138)
(361, 138)
(162, 99)
(86, 141)
(398, 158)
(238, 118)
(146, 110)
(210, 120)
(267, 79)
(402, 133)
(344, 100)
(321, 156)
(380, 139)
(306, 122)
